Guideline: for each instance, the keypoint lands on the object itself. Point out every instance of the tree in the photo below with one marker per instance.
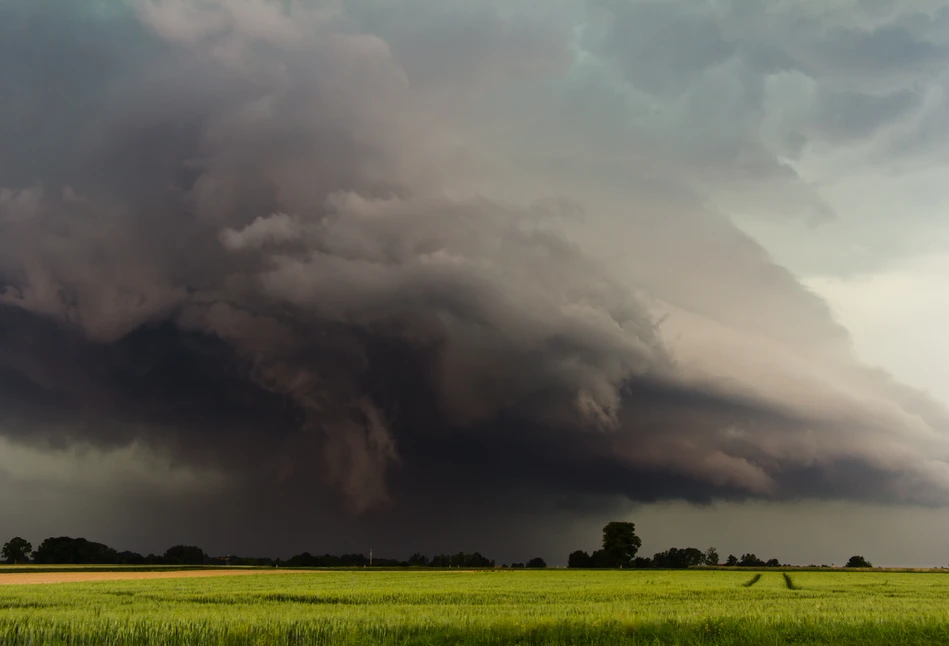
(75, 551)
(579, 558)
(620, 543)
(185, 555)
(858, 561)
(418, 560)
(478, 560)
(303, 560)
(731, 561)
(16, 550)
(675, 558)
(750, 560)
(773, 563)
(711, 556)
(537, 562)
(131, 558)
(601, 559)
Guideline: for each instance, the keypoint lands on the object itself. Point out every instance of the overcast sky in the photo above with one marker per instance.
(329, 275)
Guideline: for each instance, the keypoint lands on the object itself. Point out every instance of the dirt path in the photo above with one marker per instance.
(27, 578)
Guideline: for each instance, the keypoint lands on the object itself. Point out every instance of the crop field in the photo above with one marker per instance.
(486, 607)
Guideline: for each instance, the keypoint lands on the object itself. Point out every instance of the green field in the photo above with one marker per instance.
(487, 607)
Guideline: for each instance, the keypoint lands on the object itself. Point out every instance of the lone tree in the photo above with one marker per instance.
(731, 561)
(620, 543)
(858, 561)
(711, 556)
(537, 562)
(16, 550)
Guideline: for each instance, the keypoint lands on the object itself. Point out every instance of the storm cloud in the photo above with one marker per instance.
(454, 256)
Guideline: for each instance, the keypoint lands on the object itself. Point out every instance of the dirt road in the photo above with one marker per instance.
(66, 576)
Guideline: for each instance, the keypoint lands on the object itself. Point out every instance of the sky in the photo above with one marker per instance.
(336, 275)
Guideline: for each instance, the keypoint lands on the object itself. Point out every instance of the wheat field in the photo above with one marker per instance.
(486, 607)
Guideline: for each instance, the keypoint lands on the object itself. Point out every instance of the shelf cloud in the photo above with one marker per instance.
(458, 257)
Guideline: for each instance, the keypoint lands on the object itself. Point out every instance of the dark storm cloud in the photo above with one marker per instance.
(637, 34)
(243, 235)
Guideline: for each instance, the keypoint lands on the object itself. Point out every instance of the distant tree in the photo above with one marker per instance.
(383, 562)
(858, 561)
(16, 550)
(131, 558)
(731, 561)
(76, 551)
(536, 562)
(347, 560)
(418, 560)
(259, 561)
(642, 562)
(517, 565)
(773, 563)
(675, 558)
(601, 559)
(711, 556)
(327, 560)
(620, 543)
(692, 556)
(750, 560)
(478, 560)
(185, 555)
(461, 559)
(302, 560)
(578, 559)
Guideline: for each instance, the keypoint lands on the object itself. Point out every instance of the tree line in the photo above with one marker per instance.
(64, 550)
(619, 549)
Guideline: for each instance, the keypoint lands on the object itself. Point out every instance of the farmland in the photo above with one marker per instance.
(486, 607)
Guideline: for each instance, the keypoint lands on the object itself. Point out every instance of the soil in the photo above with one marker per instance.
(26, 578)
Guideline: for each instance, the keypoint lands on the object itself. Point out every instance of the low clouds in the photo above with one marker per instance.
(384, 261)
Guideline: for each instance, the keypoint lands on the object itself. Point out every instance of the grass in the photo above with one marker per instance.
(486, 607)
